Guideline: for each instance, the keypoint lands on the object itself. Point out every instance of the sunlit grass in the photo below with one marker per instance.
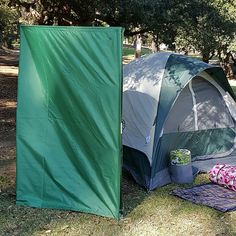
(233, 86)
(127, 51)
(153, 213)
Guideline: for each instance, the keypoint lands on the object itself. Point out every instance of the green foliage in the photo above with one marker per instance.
(209, 27)
(206, 26)
(180, 157)
(77, 12)
(232, 46)
(8, 24)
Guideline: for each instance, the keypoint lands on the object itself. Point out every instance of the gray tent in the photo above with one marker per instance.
(172, 101)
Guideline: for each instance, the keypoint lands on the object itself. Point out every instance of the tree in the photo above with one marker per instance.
(8, 24)
(210, 29)
(167, 17)
(207, 26)
(78, 12)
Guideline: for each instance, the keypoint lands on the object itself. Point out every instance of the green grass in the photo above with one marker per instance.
(234, 89)
(154, 213)
(127, 51)
(128, 54)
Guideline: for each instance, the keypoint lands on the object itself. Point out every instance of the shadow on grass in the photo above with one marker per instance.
(16, 220)
(132, 194)
(234, 89)
(157, 210)
(22, 220)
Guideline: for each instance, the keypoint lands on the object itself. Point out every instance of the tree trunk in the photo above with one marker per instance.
(227, 66)
(172, 47)
(138, 46)
(155, 43)
(206, 57)
(154, 47)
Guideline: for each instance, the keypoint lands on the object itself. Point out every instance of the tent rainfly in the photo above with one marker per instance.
(69, 119)
(171, 101)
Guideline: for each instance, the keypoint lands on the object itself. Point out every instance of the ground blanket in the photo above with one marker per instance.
(211, 195)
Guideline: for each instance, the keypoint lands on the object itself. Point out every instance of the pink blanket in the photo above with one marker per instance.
(224, 175)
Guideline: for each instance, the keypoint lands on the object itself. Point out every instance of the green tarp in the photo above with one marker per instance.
(68, 119)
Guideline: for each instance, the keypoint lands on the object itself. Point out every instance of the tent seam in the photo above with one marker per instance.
(194, 105)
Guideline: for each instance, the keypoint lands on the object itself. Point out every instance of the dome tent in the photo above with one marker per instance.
(173, 101)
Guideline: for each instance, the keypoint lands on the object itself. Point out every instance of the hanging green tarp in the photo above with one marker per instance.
(68, 119)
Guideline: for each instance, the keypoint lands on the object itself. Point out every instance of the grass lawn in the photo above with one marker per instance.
(153, 213)
(233, 85)
(128, 53)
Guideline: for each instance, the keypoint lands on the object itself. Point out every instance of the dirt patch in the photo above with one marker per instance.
(8, 88)
(7, 175)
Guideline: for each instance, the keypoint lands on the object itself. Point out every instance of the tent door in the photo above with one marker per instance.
(200, 117)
